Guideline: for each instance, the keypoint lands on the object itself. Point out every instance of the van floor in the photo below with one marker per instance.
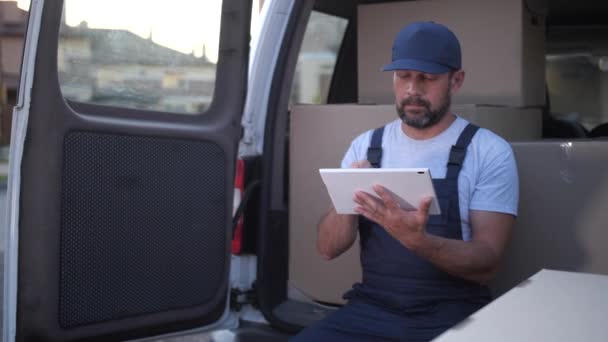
(247, 332)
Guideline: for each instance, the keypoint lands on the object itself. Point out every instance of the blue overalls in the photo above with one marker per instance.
(402, 296)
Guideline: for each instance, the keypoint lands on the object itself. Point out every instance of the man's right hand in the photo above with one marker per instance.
(336, 232)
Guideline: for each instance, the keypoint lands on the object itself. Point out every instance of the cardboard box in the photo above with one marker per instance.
(503, 48)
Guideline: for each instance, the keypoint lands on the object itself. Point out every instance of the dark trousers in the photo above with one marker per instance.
(362, 321)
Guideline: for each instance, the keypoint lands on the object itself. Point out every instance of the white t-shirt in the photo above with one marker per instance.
(488, 179)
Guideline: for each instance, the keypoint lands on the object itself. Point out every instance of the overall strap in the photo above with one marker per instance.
(374, 151)
(459, 151)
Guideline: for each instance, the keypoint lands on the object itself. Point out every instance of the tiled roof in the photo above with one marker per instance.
(111, 47)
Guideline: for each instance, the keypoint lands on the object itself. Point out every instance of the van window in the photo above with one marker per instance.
(317, 58)
(578, 88)
(163, 58)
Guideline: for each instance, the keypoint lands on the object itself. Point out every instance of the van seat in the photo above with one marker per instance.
(562, 217)
(600, 130)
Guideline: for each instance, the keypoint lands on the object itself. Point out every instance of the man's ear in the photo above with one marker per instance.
(457, 80)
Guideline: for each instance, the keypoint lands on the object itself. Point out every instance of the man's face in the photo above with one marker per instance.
(422, 99)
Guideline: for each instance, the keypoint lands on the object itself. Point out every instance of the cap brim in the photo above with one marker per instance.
(417, 65)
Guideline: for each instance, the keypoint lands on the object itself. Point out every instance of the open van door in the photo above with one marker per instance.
(122, 173)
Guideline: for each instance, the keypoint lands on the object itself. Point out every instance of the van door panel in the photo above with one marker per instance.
(125, 214)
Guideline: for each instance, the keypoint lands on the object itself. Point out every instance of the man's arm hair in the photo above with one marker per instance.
(476, 260)
(336, 233)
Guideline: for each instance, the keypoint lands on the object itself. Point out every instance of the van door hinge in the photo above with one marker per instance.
(248, 132)
(240, 298)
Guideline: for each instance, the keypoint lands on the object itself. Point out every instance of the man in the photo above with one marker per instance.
(422, 274)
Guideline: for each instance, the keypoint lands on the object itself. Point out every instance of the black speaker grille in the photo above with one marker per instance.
(143, 226)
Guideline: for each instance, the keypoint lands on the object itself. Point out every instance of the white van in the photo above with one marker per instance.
(155, 193)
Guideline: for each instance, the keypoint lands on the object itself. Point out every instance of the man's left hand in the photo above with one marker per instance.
(408, 227)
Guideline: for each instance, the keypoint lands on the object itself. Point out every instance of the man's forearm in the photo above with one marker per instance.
(336, 233)
(474, 261)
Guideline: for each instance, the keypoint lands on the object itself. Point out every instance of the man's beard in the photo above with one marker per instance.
(429, 117)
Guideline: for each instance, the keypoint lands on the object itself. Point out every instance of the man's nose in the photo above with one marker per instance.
(413, 87)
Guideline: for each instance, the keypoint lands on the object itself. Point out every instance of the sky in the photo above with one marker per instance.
(184, 25)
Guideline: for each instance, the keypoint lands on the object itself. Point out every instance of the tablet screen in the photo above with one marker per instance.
(408, 185)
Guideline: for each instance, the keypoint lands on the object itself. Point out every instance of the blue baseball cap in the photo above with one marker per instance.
(427, 47)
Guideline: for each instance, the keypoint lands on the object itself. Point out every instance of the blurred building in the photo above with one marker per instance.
(119, 68)
(13, 22)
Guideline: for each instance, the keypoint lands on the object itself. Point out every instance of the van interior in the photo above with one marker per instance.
(536, 73)
(119, 168)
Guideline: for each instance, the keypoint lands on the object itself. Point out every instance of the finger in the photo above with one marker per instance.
(367, 214)
(387, 197)
(365, 164)
(360, 164)
(364, 199)
(369, 206)
(425, 205)
(362, 211)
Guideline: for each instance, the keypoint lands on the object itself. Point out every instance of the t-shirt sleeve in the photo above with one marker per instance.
(356, 151)
(349, 157)
(497, 187)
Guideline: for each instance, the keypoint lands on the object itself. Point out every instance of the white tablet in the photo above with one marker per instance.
(409, 186)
